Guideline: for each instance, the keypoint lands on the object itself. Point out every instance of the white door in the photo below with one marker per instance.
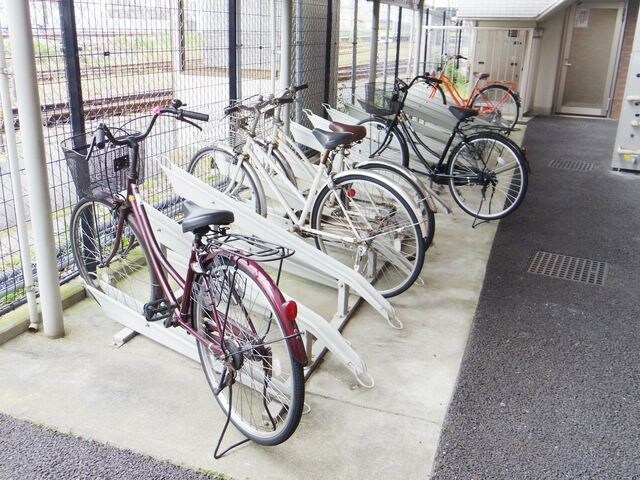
(589, 57)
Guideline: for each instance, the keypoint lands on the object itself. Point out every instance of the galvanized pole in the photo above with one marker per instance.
(373, 54)
(274, 52)
(34, 158)
(354, 51)
(285, 55)
(418, 16)
(16, 186)
(385, 62)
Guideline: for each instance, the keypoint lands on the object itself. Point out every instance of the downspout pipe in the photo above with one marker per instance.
(28, 100)
(16, 186)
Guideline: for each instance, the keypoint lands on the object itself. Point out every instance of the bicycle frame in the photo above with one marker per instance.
(131, 210)
(457, 97)
(260, 158)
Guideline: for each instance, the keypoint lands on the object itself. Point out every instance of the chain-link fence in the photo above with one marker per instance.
(112, 61)
(133, 55)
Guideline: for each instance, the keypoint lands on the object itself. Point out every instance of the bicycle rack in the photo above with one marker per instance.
(307, 256)
(320, 335)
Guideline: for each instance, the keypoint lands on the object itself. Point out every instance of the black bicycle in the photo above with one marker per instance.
(487, 172)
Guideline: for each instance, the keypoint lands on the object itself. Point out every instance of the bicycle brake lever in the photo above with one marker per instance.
(190, 123)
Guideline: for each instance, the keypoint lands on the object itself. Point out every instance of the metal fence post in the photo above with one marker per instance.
(274, 53)
(354, 51)
(298, 60)
(74, 86)
(397, 67)
(373, 54)
(285, 55)
(72, 65)
(28, 100)
(426, 42)
(327, 57)
(419, 15)
(233, 51)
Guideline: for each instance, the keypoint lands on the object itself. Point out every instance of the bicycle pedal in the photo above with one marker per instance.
(159, 309)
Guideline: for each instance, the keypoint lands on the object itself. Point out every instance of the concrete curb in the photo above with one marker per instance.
(16, 321)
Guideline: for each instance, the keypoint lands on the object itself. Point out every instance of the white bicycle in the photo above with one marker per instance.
(358, 217)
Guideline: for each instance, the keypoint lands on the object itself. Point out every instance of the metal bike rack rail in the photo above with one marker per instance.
(320, 335)
(194, 189)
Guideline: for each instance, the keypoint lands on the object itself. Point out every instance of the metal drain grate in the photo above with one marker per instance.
(568, 268)
(571, 165)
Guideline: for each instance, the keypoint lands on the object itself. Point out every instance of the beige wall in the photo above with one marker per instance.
(625, 55)
(549, 48)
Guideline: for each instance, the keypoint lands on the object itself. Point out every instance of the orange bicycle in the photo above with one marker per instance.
(497, 102)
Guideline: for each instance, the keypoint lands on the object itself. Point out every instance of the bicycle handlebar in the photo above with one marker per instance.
(103, 132)
(286, 98)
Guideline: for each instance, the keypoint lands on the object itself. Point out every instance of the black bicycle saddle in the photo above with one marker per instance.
(197, 218)
(332, 140)
(463, 113)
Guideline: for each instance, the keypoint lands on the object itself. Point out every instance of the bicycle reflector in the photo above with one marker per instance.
(290, 308)
(351, 192)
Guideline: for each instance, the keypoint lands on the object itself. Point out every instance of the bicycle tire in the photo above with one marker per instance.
(431, 88)
(266, 400)
(128, 277)
(498, 105)
(482, 155)
(213, 166)
(397, 174)
(400, 245)
(396, 148)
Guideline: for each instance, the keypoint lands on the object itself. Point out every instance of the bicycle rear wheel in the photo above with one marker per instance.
(408, 184)
(128, 276)
(488, 176)
(435, 93)
(378, 146)
(498, 105)
(266, 398)
(219, 168)
(370, 227)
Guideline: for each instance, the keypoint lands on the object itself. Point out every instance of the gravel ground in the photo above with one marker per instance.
(29, 452)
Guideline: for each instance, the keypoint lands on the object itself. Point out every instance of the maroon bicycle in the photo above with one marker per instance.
(247, 338)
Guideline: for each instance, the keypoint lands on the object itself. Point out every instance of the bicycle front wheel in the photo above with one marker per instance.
(380, 145)
(498, 105)
(127, 276)
(256, 381)
(367, 224)
(225, 172)
(488, 176)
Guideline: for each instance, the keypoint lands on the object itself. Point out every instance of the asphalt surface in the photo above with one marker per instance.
(550, 381)
(28, 452)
